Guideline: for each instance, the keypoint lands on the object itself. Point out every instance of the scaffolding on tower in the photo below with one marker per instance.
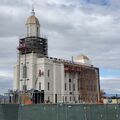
(22, 48)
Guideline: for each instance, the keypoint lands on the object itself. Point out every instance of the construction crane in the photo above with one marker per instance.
(32, 90)
(35, 93)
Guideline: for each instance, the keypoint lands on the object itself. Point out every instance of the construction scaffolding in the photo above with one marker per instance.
(88, 81)
(29, 45)
(37, 45)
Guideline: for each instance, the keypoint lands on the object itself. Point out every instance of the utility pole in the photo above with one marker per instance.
(117, 98)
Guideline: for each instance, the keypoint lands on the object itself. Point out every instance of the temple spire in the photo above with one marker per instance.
(33, 25)
(33, 12)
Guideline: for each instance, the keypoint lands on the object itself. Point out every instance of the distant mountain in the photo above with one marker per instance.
(2, 97)
(112, 95)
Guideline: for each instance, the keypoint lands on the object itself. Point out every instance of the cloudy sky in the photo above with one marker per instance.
(73, 27)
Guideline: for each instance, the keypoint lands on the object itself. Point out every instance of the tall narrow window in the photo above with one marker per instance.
(27, 31)
(74, 86)
(48, 73)
(65, 74)
(37, 29)
(48, 99)
(24, 71)
(78, 86)
(39, 85)
(24, 87)
(75, 99)
(48, 86)
(65, 98)
(65, 86)
(70, 84)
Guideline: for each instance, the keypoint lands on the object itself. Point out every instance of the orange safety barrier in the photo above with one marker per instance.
(28, 102)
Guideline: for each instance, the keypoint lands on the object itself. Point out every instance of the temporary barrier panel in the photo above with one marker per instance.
(60, 112)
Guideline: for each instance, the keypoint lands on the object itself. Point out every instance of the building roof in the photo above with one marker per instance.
(80, 57)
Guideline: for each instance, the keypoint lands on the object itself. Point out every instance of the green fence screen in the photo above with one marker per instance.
(60, 112)
(9, 112)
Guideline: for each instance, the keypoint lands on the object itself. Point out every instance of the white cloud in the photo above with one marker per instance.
(110, 84)
(6, 74)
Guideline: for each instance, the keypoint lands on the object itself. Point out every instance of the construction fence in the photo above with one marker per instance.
(60, 112)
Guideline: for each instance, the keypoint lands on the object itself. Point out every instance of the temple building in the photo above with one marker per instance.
(59, 80)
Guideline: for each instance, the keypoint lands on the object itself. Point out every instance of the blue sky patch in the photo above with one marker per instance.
(109, 73)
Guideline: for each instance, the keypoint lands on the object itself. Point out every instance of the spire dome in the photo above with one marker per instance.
(32, 19)
(83, 59)
(33, 25)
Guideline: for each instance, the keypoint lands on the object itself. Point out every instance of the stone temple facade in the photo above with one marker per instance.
(59, 80)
